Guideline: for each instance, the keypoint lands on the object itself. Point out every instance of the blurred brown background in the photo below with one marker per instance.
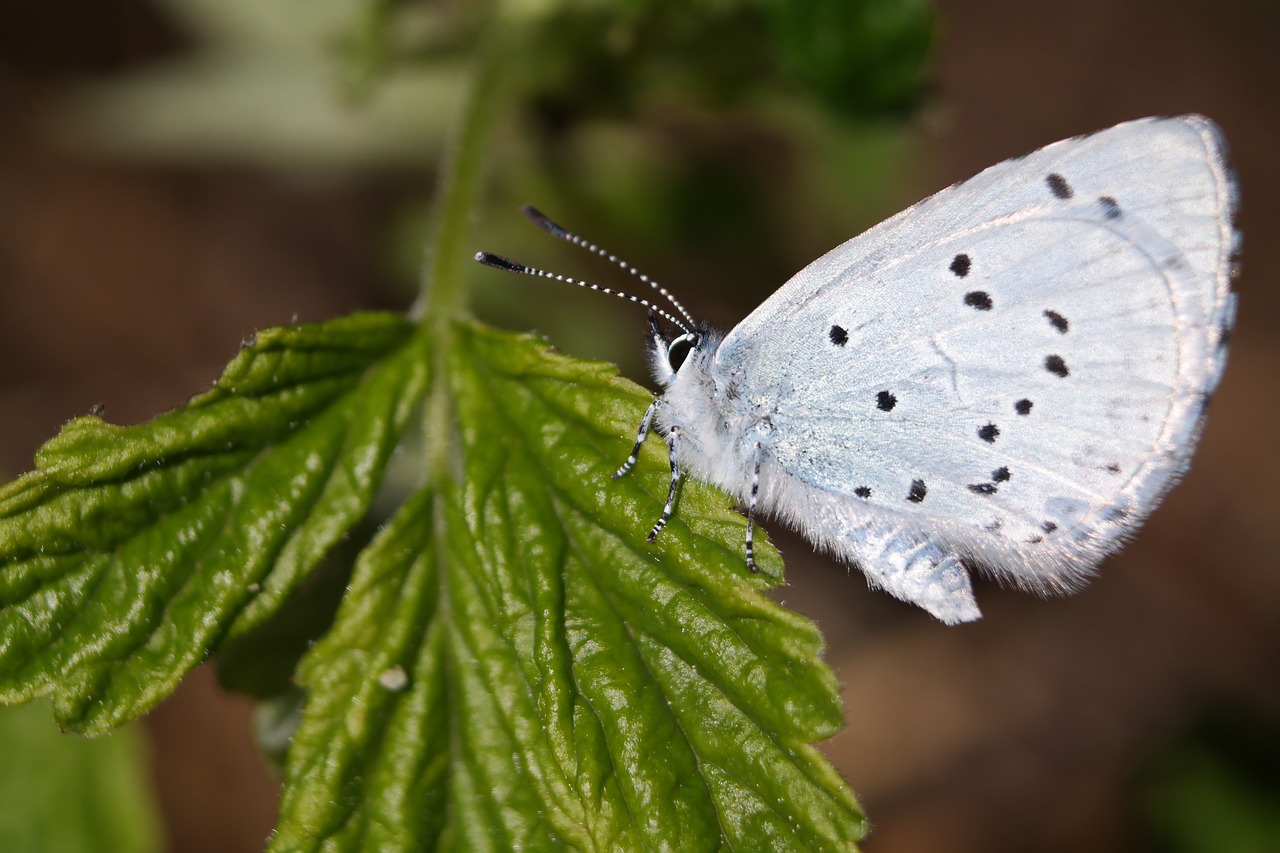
(129, 282)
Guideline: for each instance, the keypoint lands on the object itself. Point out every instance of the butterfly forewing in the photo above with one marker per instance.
(1017, 365)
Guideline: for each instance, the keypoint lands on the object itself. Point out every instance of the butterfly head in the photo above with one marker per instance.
(669, 353)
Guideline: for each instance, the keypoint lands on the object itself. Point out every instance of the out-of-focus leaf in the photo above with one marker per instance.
(73, 795)
(860, 58)
(232, 107)
(268, 84)
(1215, 788)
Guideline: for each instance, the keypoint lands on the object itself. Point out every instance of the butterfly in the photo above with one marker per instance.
(1006, 377)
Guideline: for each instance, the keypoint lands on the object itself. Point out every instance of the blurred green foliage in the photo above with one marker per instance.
(72, 795)
(720, 143)
(1215, 788)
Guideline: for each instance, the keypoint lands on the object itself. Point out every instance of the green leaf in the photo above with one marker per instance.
(261, 662)
(131, 552)
(516, 667)
(70, 794)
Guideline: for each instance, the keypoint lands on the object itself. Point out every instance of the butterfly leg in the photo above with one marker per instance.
(673, 443)
(751, 510)
(641, 435)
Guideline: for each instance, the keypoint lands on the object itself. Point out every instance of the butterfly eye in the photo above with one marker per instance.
(679, 350)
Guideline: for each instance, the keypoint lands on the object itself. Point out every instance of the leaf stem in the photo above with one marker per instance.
(442, 296)
(443, 289)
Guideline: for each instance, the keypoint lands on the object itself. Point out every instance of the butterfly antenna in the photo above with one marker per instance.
(500, 263)
(541, 220)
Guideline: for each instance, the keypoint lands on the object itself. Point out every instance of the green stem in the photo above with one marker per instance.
(443, 292)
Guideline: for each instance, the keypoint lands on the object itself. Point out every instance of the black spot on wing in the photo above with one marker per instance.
(1110, 207)
(1023, 406)
(1058, 186)
(1048, 527)
(886, 401)
(1057, 321)
(838, 336)
(988, 433)
(960, 265)
(917, 491)
(999, 475)
(862, 492)
(978, 299)
(1055, 365)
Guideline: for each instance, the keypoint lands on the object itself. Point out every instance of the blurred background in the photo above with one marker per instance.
(175, 174)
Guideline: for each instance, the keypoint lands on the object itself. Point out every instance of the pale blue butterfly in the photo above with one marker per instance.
(1008, 375)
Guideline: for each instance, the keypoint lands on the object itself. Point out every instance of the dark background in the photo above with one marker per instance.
(1060, 725)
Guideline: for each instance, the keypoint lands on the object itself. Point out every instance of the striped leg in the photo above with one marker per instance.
(673, 442)
(751, 511)
(641, 435)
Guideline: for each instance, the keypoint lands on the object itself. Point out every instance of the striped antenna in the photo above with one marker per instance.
(541, 220)
(500, 263)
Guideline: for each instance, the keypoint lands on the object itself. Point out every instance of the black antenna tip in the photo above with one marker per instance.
(499, 263)
(540, 219)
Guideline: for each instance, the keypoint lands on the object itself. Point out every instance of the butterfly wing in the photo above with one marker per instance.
(1012, 372)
